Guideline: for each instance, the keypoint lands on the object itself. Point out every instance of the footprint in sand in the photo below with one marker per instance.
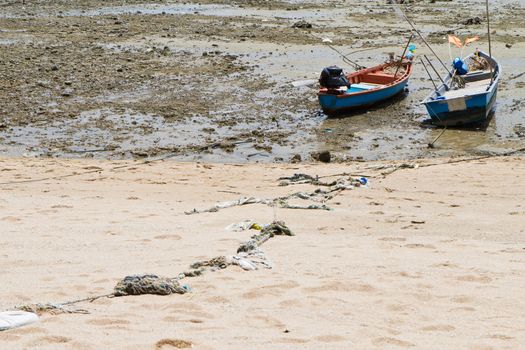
(9, 337)
(500, 336)
(264, 321)
(218, 300)
(462, 299)
(438, 328)
(10, 219)
(29, 330)
(330, 338)
(108, 322)
(392, 239)
(171, 319)
(80, 287)
(463, 308)
(292, 303)
(386, 341)
(472, 278)
(172, 237)
(104, 280)
(447, 264)
(258, 292)
(189, 311)
(270, 290)
(340, 286)
(194, 320)
(165, 344)
(409, 275)
(290, 341)
(50, 339)
(420, 245)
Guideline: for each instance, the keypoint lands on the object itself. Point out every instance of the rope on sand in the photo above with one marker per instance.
(453, 161)
(319, 195)
(248, 257)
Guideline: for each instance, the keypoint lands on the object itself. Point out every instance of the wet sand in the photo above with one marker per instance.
(211, 81)
(427, 257)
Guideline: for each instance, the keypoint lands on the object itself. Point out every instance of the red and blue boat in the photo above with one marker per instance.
(364, 88)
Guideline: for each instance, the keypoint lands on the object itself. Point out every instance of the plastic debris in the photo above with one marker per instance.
(14, 319)
(240, 226)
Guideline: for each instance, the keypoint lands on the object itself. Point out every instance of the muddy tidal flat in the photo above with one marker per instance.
(211, 80)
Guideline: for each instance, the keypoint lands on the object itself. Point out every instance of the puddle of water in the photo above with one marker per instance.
(8, 41)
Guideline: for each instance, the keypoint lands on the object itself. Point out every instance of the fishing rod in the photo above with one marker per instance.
(490, 46)
(397, 9)
(356, 65)
(435, 71)
(403, 54)
(429, 75)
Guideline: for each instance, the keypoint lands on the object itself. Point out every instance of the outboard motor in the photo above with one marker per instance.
(333, 78)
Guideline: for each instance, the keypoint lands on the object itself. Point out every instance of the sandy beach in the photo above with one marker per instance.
(430, 255)
(126, 125)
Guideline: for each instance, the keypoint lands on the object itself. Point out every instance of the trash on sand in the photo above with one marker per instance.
(364, 182)
(251, 260)
(240, 226)
(245, 264)
(13, 319)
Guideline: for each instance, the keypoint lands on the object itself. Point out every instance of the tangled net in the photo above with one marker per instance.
(478, 63)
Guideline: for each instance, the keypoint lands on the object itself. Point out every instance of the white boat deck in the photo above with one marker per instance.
(472, 88)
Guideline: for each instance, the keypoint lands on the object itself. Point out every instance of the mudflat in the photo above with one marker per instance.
(211, 80)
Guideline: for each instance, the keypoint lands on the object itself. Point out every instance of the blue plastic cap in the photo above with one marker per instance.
(411, 47)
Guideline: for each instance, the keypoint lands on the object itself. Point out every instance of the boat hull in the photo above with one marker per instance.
(477, 110)
(336, 104)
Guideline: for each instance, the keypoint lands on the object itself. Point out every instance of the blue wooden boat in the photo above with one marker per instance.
(469, 98)
(365, 88)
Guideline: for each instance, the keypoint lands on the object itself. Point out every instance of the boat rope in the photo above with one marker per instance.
(248, 256)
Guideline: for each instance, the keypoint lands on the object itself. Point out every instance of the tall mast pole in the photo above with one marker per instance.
(488, 26)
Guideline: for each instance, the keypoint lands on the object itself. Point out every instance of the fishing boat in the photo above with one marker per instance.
(364, 88)
(467, 98)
